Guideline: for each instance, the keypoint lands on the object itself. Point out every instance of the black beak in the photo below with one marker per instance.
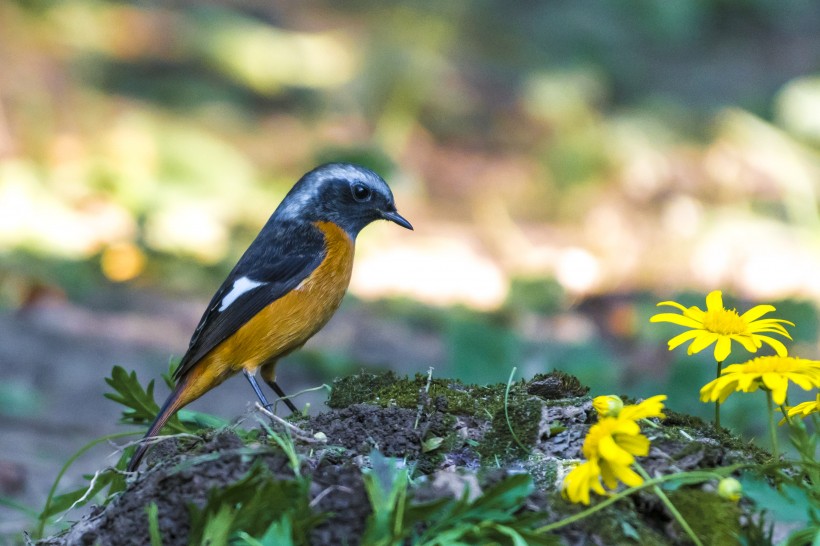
(398, 219)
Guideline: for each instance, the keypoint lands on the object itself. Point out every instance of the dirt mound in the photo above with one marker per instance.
(339, 478)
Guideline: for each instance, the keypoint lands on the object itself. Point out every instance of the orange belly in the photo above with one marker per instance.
(284, 325)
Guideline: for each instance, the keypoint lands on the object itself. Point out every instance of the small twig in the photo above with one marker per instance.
(84, 497)
(151, 440)
(328, 490)
(303, 435)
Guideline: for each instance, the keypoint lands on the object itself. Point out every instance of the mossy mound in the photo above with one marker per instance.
(455, 446)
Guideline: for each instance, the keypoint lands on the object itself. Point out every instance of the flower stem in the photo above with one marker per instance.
(669, 506)
(772, 426)
(693, 477)
(717, 402)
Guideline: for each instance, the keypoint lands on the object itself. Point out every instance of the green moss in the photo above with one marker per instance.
(361, 388)
(500, 441)
(713, 519)
(543, 469)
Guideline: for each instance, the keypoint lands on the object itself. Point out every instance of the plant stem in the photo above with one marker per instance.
(507, 413)
(772, 426)
(671, 507)
(41, 524)
(698, 476)
(717, 402)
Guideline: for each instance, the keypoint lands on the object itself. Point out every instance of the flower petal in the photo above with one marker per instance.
(723, 348)
(674, 304)
(701, 342)
(683, 338)
(680, 320)
(609, 450)
(756, 312)
(635, 445)
(714, 301)
(778, 347)
(778, 384)
(628, 476)
(651, 407)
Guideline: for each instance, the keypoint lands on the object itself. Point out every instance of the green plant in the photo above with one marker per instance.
(495, 517)
(259, 507)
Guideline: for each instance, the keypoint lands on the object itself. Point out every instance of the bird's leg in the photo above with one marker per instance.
(269, 375)
(257, 390)
(282, 396)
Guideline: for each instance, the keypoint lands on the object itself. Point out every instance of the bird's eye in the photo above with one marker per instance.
(361, 192)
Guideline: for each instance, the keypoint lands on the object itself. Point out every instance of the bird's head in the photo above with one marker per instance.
(348, 195)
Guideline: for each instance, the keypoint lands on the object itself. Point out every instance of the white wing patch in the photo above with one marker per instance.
(240, 286)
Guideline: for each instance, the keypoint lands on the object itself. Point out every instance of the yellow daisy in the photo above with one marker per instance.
(805, 409)
(720, 326)
(770, 372)
(610, 448)
(615, 442)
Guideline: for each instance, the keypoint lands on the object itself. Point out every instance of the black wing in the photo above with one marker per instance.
(281, 270)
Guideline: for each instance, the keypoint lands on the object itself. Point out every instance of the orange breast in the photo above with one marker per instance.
(284, 325)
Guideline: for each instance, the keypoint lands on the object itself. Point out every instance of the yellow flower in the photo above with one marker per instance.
(615, 442)
(610, 448)
(720, 326)
(805, 409)
(581, 480)
(608, 405)
(770, 372)
(651, 407)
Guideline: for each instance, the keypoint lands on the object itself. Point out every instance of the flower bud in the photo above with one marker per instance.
(730, 488)
(608, 405)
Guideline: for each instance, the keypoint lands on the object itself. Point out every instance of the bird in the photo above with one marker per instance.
(284, 288)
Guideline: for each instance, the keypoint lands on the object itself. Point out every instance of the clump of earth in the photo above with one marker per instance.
(454, 440)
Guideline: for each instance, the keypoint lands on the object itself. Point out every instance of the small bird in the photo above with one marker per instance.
(285, 287)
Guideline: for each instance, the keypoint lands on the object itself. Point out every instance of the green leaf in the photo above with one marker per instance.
(251, 506)
(217, 528)
(82, 496)
(386, 487)
(788, 503)
(153, 524)
(279, 533)
(493, 517)
(140, 404)
(168, 376)
(431, 444)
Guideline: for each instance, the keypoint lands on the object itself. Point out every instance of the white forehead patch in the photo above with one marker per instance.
(240, 286)
(296, 202)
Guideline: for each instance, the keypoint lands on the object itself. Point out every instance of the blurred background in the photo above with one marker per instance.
(566, 166)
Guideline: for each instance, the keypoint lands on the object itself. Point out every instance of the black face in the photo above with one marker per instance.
(347, 195)
(353, 204)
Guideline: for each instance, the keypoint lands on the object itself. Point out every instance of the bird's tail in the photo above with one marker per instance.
(174, 402)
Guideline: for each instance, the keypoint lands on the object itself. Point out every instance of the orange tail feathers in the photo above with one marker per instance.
(175, 401)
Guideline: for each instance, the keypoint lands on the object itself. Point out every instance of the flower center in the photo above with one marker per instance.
(725, 322)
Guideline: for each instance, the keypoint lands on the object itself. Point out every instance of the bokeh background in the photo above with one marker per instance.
(566, 165)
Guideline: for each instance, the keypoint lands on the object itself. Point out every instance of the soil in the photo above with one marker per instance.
(455, 440)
